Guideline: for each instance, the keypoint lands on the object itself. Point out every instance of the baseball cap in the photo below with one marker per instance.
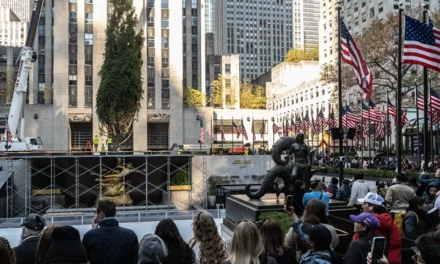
(319, 234)
(372, 198)
(436, 206)
(34, 222)
(367, 219)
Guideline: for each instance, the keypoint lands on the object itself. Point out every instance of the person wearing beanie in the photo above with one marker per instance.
(66, 247)
(344, 192)
(332, 188)
(398, 195)
(32, 227)
(107, 242)
(152, 250)
(416, 220)
(319, 239)
(365, 226)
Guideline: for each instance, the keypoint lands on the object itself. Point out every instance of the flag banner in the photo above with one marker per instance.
(391, 108)
(202, 133)
(212, 132)
(377, 112)
(422, 44)
(352, 56)
(306, 123)
(235, 129)
(381, 130)
(331, 119)
(298, 124)
(372, 116)
(319, 122)
(243, 131)
(420, 102)
(292, 125)
(222, 131)
(366, 130)
(275, 128)
(262, 130)
(435, 100)
(349, 119)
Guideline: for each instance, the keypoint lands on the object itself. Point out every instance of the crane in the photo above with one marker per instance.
(27, 55)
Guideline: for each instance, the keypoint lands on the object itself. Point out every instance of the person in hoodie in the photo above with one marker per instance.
(375, 204)
(319, 239)
(398, 195)
(332, 189)
(430, 193)
(359, 190)
(417, 221)
(152, 250)
(344, 192)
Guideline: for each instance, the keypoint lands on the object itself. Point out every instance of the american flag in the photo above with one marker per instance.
(435, 100)
(434, 118)
(292, 125)
(331, 119)
(202, 133)
(349, 118)
(306, 123)
(235, 129)
(313, 127)
(275, 128)
(243, 131)
(352, 56)
(404, 117)
(380, 130)
(253, 131)
(222, 131)
(422, 44)
(420, 102)
(366, 129)
(375, 110)
(298, 123)
(391, 108)
(319, 123)
(8, 134)
(371, 115)
(262, 130)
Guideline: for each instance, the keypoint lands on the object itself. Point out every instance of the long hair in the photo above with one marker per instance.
(44, 244)
(366, 238)
(7, 255)
(168, 232)
(247, 244)
(273, 238)
(315, 212)
(212, 246)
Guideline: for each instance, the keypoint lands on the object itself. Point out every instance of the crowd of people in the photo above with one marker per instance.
(402, 212)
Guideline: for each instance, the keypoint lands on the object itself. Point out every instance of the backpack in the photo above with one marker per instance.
(399, 220)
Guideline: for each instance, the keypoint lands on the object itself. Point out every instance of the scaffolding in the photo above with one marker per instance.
(66, 183)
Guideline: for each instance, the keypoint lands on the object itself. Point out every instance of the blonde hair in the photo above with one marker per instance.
(247, 244)
(44, 244)
(212, 246)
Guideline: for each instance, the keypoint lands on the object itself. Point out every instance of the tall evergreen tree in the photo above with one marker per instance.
(120, 91)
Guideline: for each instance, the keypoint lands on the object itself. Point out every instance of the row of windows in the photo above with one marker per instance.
(297, 98)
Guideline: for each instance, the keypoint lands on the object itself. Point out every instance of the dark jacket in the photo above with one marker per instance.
(26, 251)
(356, 253)
(319, 257)
(264, 259)
(111, 244)
(430, 199)
(344, 193)
(287, 258)
(297, 200)
(416, 226)
(332, 191)
(175, 255)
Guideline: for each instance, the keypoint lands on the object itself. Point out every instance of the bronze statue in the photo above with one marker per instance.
(112, 184)
(301, 168)
(302, 161)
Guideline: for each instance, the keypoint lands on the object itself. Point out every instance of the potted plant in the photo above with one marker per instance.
(180, 180)
(213, 181)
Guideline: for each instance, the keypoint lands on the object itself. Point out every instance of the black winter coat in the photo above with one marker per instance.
(416, 226)
(111, 244)
(264, 259)
(26, 251)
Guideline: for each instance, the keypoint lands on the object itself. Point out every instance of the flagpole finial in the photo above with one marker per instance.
(425, 7)
(400, 4)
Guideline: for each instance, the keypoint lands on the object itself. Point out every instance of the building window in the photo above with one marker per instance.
(164, 3)
(228, 68)
(72, 96)
(380, 7)
(364, 17)
(151, 98)
(165, 98)
(372, 12)
(88, 96)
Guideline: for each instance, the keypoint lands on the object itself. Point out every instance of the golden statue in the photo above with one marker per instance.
(112, 184)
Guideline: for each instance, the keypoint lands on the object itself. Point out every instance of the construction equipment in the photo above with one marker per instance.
(12, 142)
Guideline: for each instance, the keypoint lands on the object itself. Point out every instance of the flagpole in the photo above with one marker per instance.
(241, 132)
(425, 100)
(212, 136)
(322, 133)
(430, 126)
(273, 133)
(341, 167)
(369, 133)
(399, 95)
(253, 134)
(438, 113)
(264, 130)
(418, 126)
(387, 133)
(362, 137)
(232, 126)
(222, 134)
(346, 129)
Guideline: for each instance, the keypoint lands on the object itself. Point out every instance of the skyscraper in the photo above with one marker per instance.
(22, 8)
(260, 31)
(305, 23)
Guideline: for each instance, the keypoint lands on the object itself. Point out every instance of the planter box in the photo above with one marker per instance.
(180, 188)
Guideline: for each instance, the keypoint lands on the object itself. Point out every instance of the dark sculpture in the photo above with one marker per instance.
(300, 169)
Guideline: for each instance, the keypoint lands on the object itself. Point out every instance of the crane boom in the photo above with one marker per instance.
(26, 57)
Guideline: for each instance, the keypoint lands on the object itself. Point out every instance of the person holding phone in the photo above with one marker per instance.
(365, 225)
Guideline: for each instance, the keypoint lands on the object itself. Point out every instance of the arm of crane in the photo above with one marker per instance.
(26, 57)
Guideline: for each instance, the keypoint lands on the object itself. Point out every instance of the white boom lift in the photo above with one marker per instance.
(27, 55)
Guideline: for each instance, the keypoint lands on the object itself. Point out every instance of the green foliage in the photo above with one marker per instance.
(120, 91)
(180, 177)
(281, 218)
(193, 98)
(213, 181)
(252, 97)
(299, 54)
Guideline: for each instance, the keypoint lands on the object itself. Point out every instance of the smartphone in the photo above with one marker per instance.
(377, 248)
(288, 201)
